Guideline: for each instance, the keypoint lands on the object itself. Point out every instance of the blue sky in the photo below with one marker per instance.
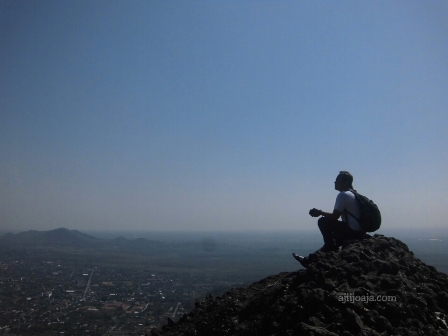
(220, 115)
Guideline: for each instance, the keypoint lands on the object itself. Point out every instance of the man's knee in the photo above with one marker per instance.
(323, 222)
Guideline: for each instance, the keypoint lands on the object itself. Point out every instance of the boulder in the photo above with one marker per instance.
(375, 286)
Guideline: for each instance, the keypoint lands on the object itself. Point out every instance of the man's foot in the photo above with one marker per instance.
(329, 248)
(302, 260)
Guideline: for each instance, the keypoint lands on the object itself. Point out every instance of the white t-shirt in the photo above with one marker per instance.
(346, 200)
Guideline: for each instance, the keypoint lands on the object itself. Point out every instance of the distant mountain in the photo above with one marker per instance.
(137, 245)
(73, 239)
(61, 237)
(121, 240)
(77, 245)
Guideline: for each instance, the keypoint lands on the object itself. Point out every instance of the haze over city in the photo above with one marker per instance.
(220, 115)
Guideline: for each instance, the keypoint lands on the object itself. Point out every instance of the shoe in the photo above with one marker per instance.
(302, 260)
(329, 248)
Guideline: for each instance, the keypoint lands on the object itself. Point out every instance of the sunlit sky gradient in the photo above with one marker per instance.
(220, 115)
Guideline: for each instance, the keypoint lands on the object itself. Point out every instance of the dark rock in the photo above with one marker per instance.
(308, 330)
(354, 321)
(374, 286)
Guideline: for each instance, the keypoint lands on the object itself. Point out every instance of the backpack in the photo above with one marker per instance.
(370, 219)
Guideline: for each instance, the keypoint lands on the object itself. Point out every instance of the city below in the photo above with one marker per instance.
(64, 282)
(53, 296)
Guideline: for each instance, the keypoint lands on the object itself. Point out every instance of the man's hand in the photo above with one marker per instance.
(315, 212)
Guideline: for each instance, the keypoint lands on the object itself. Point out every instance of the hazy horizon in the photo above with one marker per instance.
(421, 233)
(197, 115)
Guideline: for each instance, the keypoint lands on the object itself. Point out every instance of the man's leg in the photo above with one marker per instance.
(344, 232)
(327, 227)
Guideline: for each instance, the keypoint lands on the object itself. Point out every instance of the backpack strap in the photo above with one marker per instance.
(348, 212)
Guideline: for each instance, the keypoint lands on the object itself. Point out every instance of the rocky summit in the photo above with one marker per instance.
(375, 286)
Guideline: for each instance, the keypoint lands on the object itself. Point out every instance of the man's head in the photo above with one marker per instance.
(344, 181)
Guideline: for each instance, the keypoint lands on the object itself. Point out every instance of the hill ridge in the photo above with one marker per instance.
(62, 237)
(402, 296)
(57, 237)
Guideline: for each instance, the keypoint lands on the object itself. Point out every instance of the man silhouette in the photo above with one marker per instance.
(334, 232)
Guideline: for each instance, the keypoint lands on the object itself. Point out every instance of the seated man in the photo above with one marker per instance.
(334, 231)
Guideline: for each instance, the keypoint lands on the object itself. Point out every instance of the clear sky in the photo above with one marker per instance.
(220, 115)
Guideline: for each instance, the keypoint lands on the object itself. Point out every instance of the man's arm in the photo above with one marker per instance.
(316, 213)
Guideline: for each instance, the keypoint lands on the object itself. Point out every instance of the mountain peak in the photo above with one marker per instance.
(371, 287)
(56, 237)
(61, 229)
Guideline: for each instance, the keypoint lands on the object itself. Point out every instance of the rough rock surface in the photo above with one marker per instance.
(330, 298)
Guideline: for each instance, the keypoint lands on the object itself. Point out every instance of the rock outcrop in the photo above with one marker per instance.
(371, 287)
